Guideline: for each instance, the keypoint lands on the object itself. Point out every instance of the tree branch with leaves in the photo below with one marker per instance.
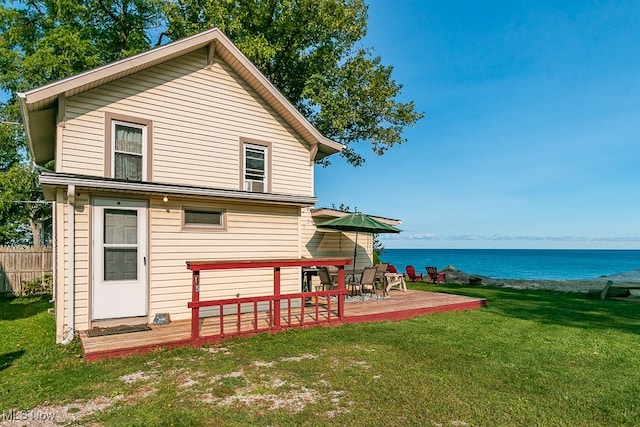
(310, 50)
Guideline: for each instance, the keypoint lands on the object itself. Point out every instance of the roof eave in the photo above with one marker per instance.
(327, 147)
(40, 129)
(136, 62)
(45, 96)
(49, 179)
(22, 101)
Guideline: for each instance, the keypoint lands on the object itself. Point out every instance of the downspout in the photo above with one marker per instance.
(71, 250)
(54, 248)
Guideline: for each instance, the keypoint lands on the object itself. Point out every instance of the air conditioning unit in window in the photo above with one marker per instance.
(254, 186)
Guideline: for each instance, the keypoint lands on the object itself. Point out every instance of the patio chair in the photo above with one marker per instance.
(333, 271)
(392, 269)
(381, 268)
(368, 280)
(435, 276)
(413, 276)
(326, 284)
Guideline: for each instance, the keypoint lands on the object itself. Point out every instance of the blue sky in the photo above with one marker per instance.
(531, 130)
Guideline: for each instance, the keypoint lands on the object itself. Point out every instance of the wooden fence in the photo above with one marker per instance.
(20, 264)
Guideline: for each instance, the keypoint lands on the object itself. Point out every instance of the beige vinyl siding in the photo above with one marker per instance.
(83, 146)
(307, 234)
(60, 271)
(81, 261)
(199, 116)
(252, 232)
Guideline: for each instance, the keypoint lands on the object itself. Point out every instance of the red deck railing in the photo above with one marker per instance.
(274, 318)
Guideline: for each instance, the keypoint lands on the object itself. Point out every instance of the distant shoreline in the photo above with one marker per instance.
(531, 264)
(572, 285)
(513, 249)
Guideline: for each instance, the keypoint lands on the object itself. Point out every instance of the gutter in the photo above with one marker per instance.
(98, 183)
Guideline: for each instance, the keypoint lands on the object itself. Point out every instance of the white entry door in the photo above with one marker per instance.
(119, 259)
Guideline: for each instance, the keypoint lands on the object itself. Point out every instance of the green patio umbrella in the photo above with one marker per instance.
(358, 222)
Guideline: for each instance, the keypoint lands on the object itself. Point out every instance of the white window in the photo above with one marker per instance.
(255, 168)
(129, 148)
(203, 218)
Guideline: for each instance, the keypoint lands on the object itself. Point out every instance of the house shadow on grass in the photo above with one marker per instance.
(558, 308)
(7, 359)
(23, 307)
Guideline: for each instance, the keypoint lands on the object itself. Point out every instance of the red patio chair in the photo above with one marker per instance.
(435, 276)
(413, 276)
(392, 269)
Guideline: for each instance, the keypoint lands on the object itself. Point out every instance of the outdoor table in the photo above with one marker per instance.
(395, 279)
(350, 275)
(307, 272)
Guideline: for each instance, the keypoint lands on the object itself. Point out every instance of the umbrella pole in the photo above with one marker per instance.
(355, 255)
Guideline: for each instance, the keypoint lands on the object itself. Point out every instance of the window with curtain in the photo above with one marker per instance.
(129, 146)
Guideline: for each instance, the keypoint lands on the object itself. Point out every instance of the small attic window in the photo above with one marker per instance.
(196, 217)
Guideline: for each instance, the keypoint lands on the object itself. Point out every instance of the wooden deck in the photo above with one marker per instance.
(401, 306)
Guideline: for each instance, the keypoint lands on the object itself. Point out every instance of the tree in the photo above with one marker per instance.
(11, 141)
(40, 42)
(22, 210)
(310, 50)
(43, 41)
(378, 249)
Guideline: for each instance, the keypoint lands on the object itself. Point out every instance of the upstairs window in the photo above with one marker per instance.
(129, 146)
(256, 168)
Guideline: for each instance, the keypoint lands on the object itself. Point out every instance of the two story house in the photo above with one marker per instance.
(183, 152)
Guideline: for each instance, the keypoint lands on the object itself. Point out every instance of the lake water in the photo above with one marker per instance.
(540, 264)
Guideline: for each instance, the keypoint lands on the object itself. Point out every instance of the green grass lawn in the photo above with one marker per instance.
(529, 358)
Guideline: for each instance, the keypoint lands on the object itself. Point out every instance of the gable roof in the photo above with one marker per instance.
(39, 105)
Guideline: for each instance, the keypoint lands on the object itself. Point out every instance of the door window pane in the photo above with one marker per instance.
(120, 233)
(120, 227)
(120, 264)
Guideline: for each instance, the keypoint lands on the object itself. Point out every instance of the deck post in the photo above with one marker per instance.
(195, 311)
(341, 287)
(276, 293)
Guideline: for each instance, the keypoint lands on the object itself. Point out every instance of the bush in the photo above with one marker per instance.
(38, 286)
